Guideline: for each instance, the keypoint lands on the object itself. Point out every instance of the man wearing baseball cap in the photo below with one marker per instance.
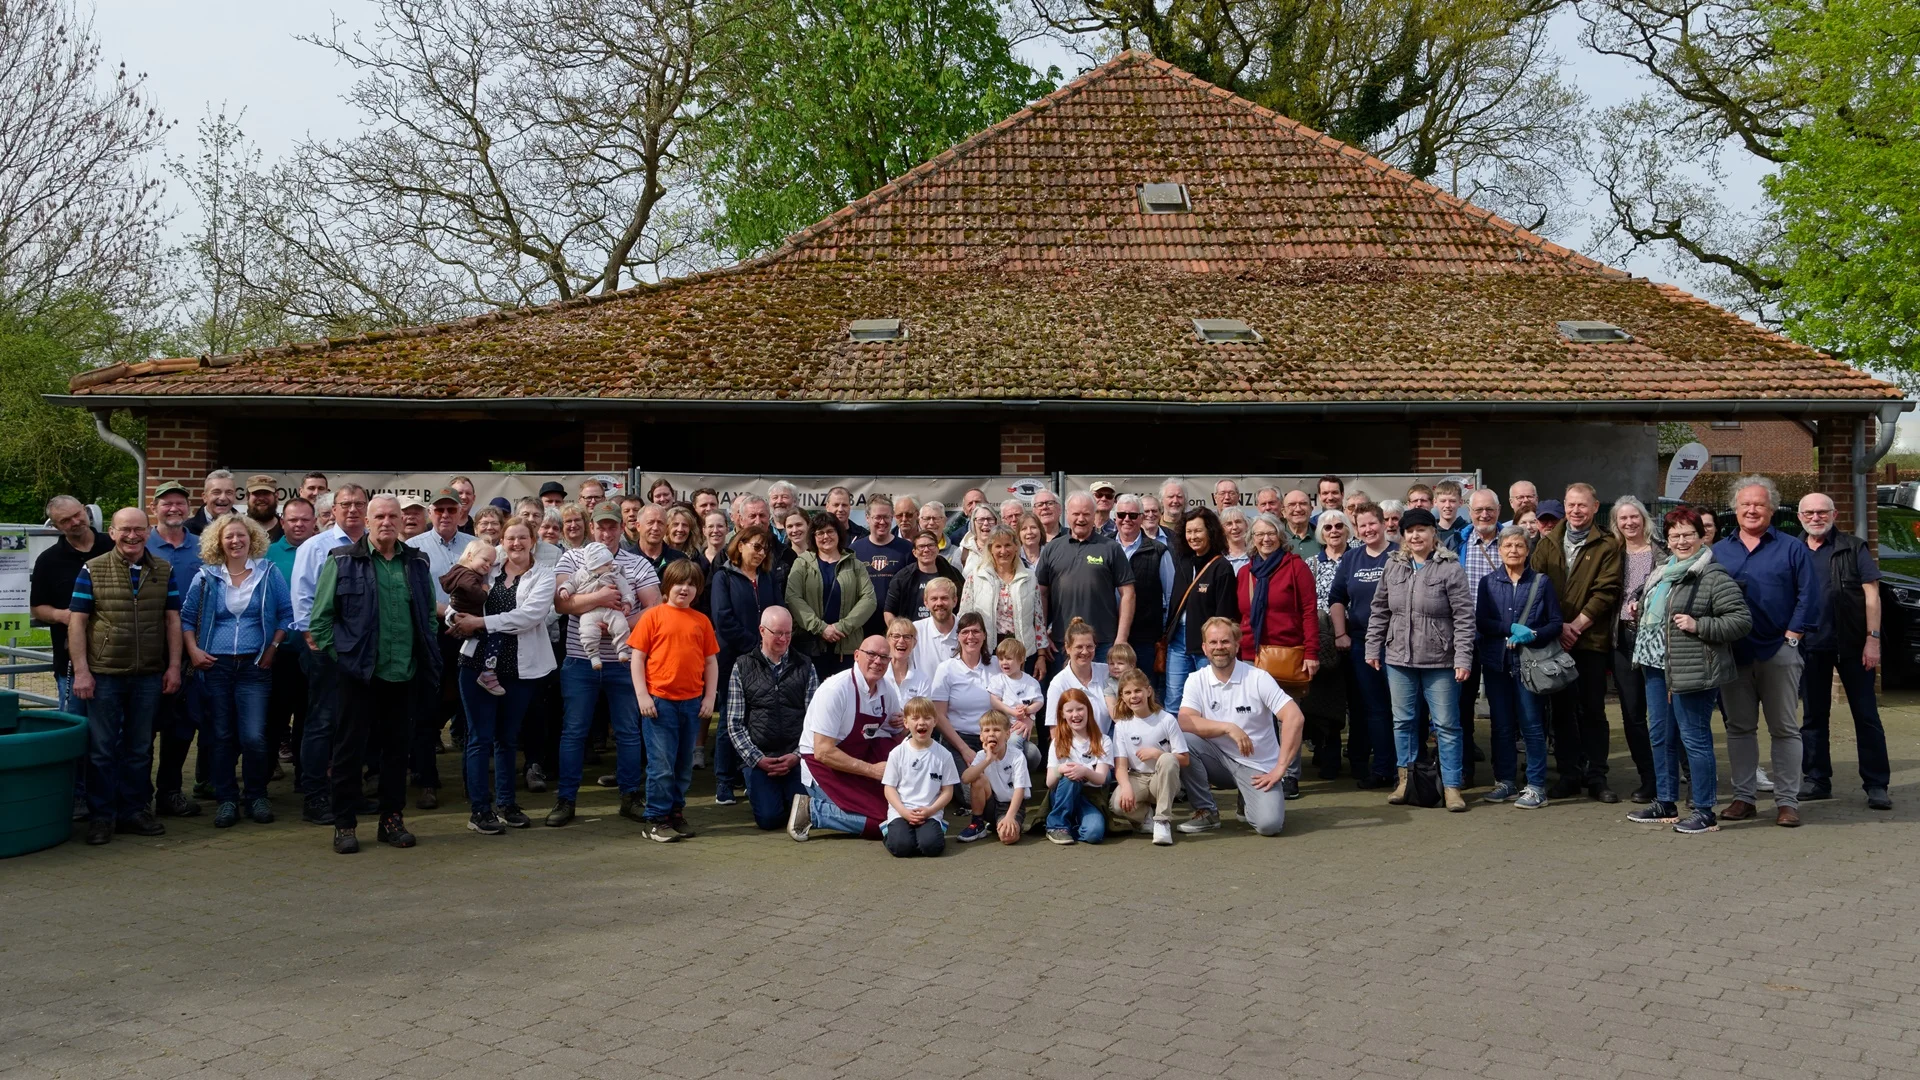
(442, 544)
(413, 516)
(1103, 493)
(263, 504)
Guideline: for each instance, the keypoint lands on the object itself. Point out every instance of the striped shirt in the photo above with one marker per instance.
(639, 574)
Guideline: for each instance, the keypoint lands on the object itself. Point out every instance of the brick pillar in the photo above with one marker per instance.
(609, 447)
(1835, 447)
(179, 448)
(1436, 447)
(1023, 448)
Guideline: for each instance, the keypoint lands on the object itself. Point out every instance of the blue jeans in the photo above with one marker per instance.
(581, 688)
(1072, 810)
(1180, 664)
(770, 797)
(316, 739)
(493, 735)
(236, 693)
(1685, 719)
(1436, 687)
(120, 744)
(669, 735)
(1513, 705)
(825, 815)
(1374, 708)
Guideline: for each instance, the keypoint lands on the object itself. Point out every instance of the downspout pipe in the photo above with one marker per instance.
(1863, 462)
(139, 457)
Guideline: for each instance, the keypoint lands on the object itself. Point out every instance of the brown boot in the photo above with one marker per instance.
(1455, 803)
(1399, 796)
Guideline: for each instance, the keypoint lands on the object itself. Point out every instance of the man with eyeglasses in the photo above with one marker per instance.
(443, 545)
(1152, 582)
(767, 698)
(123, 635)
(1103, 502)
(851, 725)
(1847, 641)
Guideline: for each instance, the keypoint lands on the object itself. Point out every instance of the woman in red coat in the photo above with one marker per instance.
(1278, 605)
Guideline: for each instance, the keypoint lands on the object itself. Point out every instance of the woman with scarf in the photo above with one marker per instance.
(1691, 612)
(1279, 609)
(1421, 632)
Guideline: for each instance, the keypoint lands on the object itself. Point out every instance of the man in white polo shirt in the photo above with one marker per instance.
(852, 723)
(1233, 707)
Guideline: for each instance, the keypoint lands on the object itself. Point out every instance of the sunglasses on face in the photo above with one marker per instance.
(1127, 515)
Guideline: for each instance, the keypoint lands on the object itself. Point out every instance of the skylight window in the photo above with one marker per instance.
(1592, 333)
(1225, 332)
(875, 330)
(1165, 199)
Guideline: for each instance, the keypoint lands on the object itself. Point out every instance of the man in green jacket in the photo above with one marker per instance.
(123, 635)
(1586, 565)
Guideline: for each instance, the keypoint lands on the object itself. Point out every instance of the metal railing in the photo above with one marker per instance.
(35, 661)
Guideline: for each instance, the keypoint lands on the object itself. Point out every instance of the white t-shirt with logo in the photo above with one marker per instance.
(1096, 690)
(964, 689)
(1081, 753)
(1161, 732)
(838, 700)
(1024, 690)
(1007, 774)
(918, 775)
(1250, 700)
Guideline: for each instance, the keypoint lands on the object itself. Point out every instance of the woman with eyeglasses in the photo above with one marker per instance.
(1326, 703)
(907, 593)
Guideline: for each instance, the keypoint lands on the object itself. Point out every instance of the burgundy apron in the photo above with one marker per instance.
(859, 794)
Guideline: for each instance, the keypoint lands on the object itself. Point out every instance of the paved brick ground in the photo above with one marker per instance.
(1367, 941)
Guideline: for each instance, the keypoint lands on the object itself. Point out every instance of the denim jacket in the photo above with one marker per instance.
(203, 611)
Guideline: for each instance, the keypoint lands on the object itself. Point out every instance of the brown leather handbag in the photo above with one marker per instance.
(1288, 666)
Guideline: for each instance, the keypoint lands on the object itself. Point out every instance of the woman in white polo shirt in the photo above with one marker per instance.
(1082, 674)
(960, 695)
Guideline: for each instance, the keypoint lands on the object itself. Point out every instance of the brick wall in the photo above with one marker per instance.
(1023, 449)
(609, 447)
(1436, 447)
(1836, 471)
(179, 449)
(1763, 446)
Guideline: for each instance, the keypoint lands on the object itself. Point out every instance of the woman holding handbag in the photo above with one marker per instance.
(1421, 632)
(1203, 588)
(1517, 606)
(1279, 610)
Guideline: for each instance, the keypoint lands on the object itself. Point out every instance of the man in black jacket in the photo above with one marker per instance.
(1848, 641)
(767, 697)
(373, 614)
(1152, 573)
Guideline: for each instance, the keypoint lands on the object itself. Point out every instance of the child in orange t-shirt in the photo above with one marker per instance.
(676, 672)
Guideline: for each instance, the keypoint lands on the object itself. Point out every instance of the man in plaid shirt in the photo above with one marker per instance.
(767, 696)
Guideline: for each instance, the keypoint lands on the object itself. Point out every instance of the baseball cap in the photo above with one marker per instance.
(171, 487)
(606, 511)
(1102, 485)
(446, 494)
(501, 504)
(409, 502)
(1551, 508)
(1417, 517)
(553, 487)
(261, 482)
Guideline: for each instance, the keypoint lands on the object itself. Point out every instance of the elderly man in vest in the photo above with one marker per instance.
(373, 615)
(1847, 642)
(123, 634)
(767, 698)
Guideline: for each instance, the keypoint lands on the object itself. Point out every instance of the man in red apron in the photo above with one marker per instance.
(852, 723)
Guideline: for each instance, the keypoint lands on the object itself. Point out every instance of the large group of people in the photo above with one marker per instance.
(878, 675)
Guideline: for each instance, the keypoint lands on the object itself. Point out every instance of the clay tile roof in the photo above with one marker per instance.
(1024, 267)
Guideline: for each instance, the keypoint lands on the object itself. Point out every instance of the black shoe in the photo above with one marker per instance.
(226, 815)
(633, 808)
(1330, 772)
(1289, 787)
(140, 824)
(345, 842)
(513, 817)
(260, 812)
(1877, 799)
(1816, 792)
(393, 830)
(429, 799)
(81, 811)
(1600, 792)
(1643, 794)
(487, 823)
(561, 814)
(678, 823)
(318, 811)
(175, 804)
(1367, 782)
(1565, 788)
(100, 831)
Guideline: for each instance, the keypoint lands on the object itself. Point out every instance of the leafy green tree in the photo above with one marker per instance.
(46, 450)
(824, 100)
(1848, 193)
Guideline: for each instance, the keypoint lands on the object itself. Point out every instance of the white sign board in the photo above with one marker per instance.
(1688, 461)
(810, 492)
(1200, 489)
(486, 485)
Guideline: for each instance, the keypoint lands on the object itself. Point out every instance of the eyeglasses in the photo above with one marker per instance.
(1127, 515)
(871, 655)
(776, 633)
(1816, 513)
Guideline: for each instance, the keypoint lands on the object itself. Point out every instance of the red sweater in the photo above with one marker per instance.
(1293, 609)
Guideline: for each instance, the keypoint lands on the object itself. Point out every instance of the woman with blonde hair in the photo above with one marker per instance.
(233, 617)
(1003, 592)
(573, 526)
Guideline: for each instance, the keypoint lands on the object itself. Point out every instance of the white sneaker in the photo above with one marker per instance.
(1761, 780)
(800, 818)
(1163, 833)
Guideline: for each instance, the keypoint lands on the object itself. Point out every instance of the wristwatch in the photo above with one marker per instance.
(1874, 634)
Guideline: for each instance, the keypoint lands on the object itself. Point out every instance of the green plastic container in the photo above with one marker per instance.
(38, 752)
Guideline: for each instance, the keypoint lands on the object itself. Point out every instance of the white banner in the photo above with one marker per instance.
(486, 485)
(1200, 488)
(810, 492)
(1688, 461)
